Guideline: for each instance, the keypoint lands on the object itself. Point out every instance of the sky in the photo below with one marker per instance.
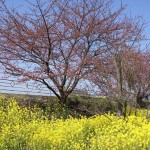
(134, 8)
(138, 8)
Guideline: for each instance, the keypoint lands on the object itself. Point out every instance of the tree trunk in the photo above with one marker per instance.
(125, 109)
(139, 98)
(63, 101)
(63, 98)
(119, 77)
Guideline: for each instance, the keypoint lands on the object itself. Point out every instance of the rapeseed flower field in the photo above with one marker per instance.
(29, 129)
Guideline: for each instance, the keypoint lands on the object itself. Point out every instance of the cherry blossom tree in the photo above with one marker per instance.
(113, 67)
(133, 78)
(56, 42)
(137, 74)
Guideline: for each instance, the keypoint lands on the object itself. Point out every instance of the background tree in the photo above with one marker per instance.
(112, 68)
(55, 42)
(137, 75)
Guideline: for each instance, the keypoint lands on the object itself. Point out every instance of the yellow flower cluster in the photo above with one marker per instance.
(24, 129)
